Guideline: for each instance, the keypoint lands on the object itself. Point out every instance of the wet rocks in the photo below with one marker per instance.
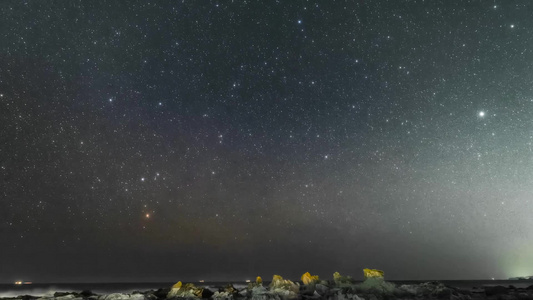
(322, 290)
(122, 296)
(342, 280)
(496, 290)
(188, 290)
(284, 288)
(373, 288)
(227, 292)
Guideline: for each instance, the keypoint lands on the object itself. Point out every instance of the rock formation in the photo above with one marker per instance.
(373, 273)
(284, 288)
(521, 278)
(258, 282)
(308, 279)
(373, 288)
(187, 290)
(341, 281)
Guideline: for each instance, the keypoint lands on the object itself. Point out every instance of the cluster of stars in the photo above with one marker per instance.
(206, 129)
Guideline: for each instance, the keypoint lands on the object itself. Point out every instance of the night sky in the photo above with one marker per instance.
(187, 140)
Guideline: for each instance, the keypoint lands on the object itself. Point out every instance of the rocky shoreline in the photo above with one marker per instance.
(341, 288)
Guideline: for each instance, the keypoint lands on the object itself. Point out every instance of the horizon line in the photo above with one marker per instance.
(242, 281)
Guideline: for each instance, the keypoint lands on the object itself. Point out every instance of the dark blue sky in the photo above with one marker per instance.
(224, 140)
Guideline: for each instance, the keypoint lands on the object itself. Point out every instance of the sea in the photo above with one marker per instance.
(41, 289)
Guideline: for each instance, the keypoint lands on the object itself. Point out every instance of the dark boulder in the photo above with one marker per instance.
(307, 290)
(524, 296)
(206, 293)
(496, 290)
(322, 289)
(161, 293)
(87, 293)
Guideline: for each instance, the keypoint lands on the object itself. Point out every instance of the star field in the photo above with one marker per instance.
(184, 140)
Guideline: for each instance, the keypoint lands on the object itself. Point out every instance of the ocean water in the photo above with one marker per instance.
(39, 289)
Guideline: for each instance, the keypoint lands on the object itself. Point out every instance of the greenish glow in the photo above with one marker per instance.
(519, 262)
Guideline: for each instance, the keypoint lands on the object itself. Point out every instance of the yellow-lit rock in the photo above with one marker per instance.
(185, 290)
(258, 283)
(284, 287)
(177, 285)
(194, 289)
(230, 289)
(276, 278)
(308, 279)
(342, 280)
(373, 273)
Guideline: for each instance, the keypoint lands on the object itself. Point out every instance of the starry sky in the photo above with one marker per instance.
(185, 140)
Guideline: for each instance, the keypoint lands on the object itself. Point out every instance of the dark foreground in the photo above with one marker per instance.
(372, 289)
